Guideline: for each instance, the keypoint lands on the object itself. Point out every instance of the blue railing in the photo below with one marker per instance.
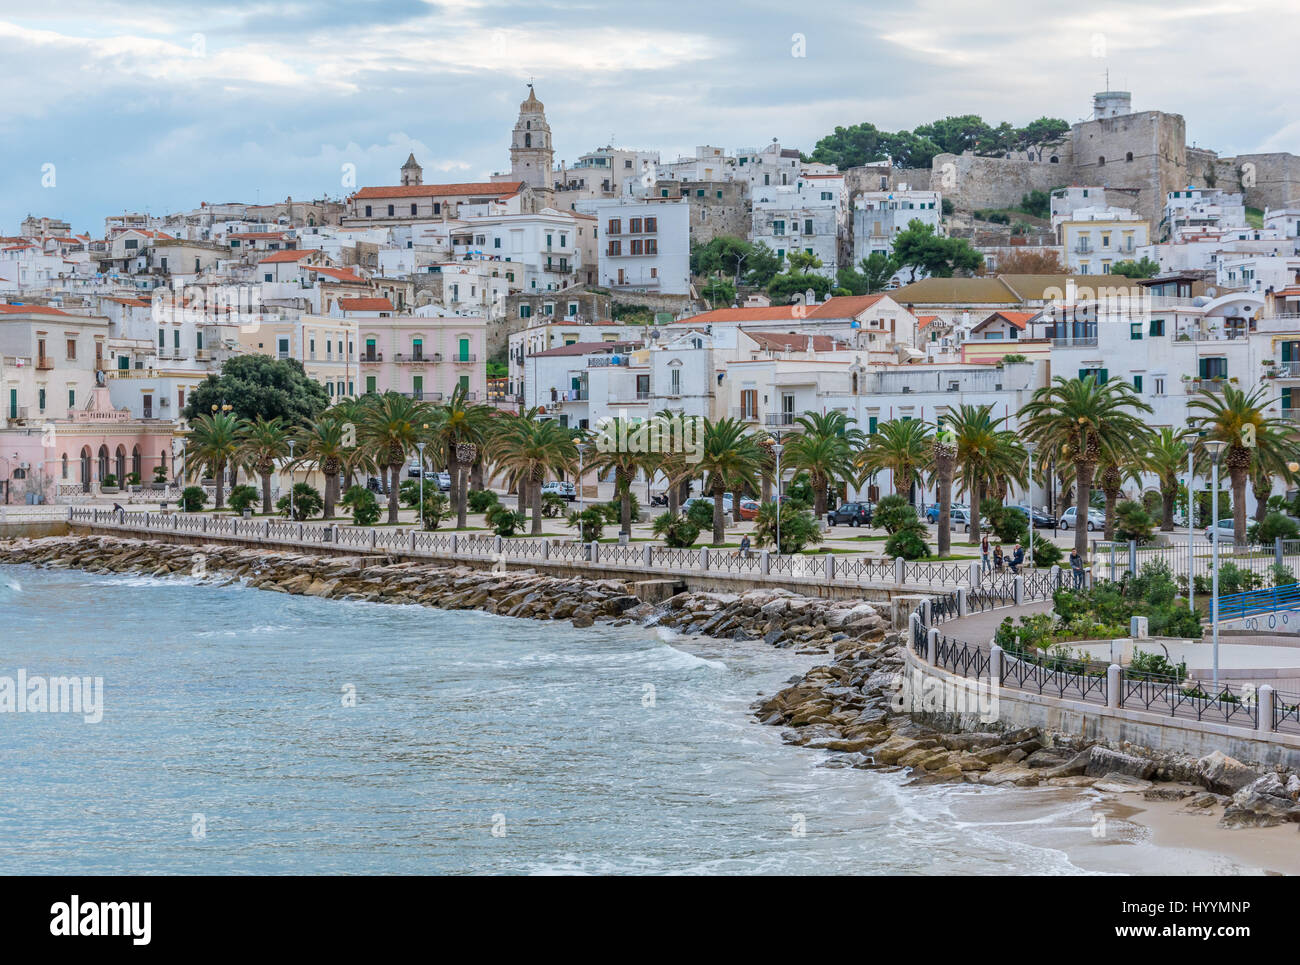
(1234, 605)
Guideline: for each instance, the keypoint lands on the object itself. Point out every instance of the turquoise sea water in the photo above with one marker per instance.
(601, 750)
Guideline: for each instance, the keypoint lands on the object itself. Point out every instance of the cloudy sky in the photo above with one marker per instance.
(159, 106)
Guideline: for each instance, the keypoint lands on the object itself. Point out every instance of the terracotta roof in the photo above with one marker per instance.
(494, 188)
(365, 304)
(338, 274)
(845, 306)
(1018, 319)
(771, 313)
(586, 348)
(794, 342)
(33, 310)
(292, 254)
(132, 302)
(923, 320)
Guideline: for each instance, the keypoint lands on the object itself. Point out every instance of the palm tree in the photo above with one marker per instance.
(824, 449)
(1165, 458)
(214, 443)
(1086, 420)
(945, 461)
(626, 462)
(900, 445)
(263, 443)
(391, 427)
(1232, 419)
(985, 451)
(1114, 472)
(530, 449)
(349, 413)
(323, 445)
(730, 459)
(460, 430)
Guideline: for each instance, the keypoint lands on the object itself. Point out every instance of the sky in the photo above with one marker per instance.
(108, 106)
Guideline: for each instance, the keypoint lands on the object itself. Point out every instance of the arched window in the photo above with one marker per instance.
(528, 140)
(119, 464)
(855, 383)
(103, 461)
(1101, 162)
(85, 468)
(135, 460)
(1053, 160)
(528, 125)
(65, 465)
(1128, 156)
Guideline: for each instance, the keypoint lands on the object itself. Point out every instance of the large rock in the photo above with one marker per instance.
(1222, 774)
(1103, 762)
(1262, 803)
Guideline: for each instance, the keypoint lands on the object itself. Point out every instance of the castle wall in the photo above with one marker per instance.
(1146, 151)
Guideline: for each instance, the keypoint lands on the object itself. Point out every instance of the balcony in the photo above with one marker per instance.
(370, 358)
(1291, 414)
(743, 414)
(1082, 341)
(416, 358)
(562, 268)
(419, 395)
(780, 419)
(1205, 385)
(1284, 370)
(44, 363)
(16, 413)
(203, 355)
(464, 357)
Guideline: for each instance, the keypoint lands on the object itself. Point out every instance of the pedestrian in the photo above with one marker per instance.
(1017, 559)
(984, 552)
(997, 558)
(744, 546)
(1076, 567)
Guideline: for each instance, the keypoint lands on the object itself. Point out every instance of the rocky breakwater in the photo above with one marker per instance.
(778, 617)
(855, 705)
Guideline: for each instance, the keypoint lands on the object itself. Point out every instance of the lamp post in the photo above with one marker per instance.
(420, 446)
(1029, 493)
(291, 445)
(1214, 447)
(582, 499)
(1191, 531)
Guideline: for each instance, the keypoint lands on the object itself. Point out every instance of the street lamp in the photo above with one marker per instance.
(1029, 494)
(291, 445)
(1214, 447)
(420, 446)
(582, 500)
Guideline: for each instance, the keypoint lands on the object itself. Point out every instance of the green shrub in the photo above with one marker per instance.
(908, 541)
(1282, 575)
(613, 510)
(306, 502)
(893, 513)
(364, 505)
(590, 523)
(242, 497)
(1237, 579)
(676, 530)
(1133, 522)
(408, 493)
(798, 527)
(1156, 664)
(1009, 525)
(506, 522)
(800, 492)
(701, 514)
(193, 499)
(1046, 553)
(110, 480)
(159, 474)
(437, 508)
(133, 479)
(553, 505)
(479, 500)
(1272, 527)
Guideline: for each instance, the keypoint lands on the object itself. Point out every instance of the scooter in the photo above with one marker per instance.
(658, 499)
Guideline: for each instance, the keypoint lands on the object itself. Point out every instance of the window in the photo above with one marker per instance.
(1101, 375)
(72, 398)
(807, 226)
(749, 403)
(72, 348)
(826, 196)
(412, 209)
(636, 247)
(1135, 332)
(1137, 383)
(615, 247)
(370, 385)
(615, 226)
(778, 227)
(651, 225)
(367, 211)
(634, 226)
(1214, 368)
(1158, 385)
(390, 211)
(496, 242)
(651, 246)
(675, 380)
(40, 399)
(525, 311)
(176, 338)
(437, 207)
(162, 338)
(1157, 326)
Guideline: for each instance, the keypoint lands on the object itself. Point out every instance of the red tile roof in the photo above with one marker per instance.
(33, 310)
(923, 320)
(1018, 319)
(500, 189)
(795, 342)
(290, 255)
(844, 306)
(338, 274)
(365, 304)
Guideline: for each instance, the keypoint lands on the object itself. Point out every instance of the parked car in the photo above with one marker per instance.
(413, 470)
(1226, 527)
(443, 479)
(959, 516)
(748, 509)
(565, 490)
(1042, 519)
(855, 514)
(726, 503)
(932, 511)
(1096, 518)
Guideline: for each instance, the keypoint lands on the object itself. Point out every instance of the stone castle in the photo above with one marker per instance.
(1142, 154)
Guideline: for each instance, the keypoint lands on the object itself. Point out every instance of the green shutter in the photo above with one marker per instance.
(871, 424)
(1137, 383)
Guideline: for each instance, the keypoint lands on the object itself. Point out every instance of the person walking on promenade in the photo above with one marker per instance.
(984, 552)
(1076, 567)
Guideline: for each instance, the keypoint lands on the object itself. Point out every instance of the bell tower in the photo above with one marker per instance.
(531, 154)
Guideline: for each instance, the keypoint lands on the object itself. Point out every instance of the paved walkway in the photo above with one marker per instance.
(978, 628)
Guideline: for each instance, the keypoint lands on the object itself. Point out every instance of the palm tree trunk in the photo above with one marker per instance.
(945, 503)
(1083, 488)
(1167, 497)
(976, 531)
(266, 493)
(221, 484)
(1261, 502)
(476, 474)
(674, 498)
(819, 495)
(536, 486)
(522, 499)
(462, 494)
(1238, 506)
(328, 497)
(1111, 499)
(719, 530)
(625, 510)
(394, 470)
